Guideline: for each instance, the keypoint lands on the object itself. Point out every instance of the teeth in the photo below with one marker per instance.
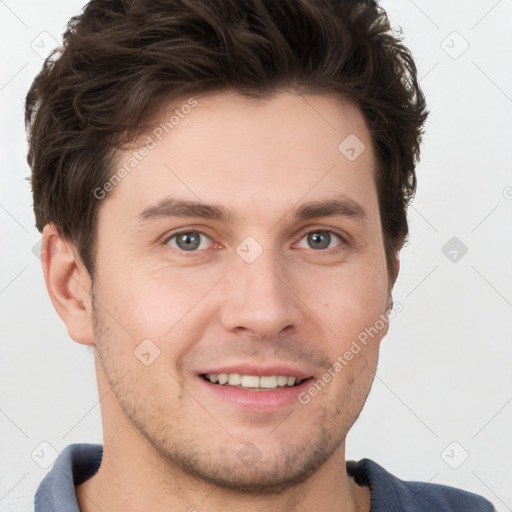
(282, 380)
(252, 381)
(268, 381)
(234, 379)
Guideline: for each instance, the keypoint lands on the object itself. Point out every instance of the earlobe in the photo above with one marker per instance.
(389, 305)
(396, 270)
(68, 284)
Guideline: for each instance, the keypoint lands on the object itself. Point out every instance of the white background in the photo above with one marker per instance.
(445, 370)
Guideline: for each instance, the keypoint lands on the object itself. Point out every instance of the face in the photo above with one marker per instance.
(264, 290)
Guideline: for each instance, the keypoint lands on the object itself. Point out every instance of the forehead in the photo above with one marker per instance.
(250, 155)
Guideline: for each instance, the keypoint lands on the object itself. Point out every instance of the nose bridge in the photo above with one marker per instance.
(257, 295)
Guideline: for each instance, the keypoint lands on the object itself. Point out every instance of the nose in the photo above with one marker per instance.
(259, 298)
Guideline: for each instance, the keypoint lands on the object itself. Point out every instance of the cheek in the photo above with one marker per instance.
(171, 308)
(149, 301)
(159, 302)
(349, 301)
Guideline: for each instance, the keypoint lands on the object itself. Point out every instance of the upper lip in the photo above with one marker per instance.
(259, 370)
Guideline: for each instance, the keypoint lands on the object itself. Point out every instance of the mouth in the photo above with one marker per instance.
(253, 382)
(253, 386)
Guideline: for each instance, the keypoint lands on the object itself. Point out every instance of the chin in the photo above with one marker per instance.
(252, 470)
(262, 477)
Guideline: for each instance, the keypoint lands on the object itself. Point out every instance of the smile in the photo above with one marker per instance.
(252, 382)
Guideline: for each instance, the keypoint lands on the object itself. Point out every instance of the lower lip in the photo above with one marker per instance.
(263, 400)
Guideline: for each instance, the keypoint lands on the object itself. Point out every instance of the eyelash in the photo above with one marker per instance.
(343, 239)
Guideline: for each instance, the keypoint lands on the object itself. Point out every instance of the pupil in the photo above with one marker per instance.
(190, 241)
(315, 238)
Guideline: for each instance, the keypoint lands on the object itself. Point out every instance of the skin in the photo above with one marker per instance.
(294, 304)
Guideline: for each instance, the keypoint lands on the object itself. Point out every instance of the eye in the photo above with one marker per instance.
(321, 239)
(192, 241)
(188, 240)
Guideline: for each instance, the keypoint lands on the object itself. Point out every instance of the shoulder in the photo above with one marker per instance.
(390, 493)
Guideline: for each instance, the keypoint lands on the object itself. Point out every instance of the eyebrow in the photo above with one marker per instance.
(172, 207)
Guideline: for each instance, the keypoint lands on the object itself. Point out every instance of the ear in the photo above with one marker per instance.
(394, 272)
(389, 305)
(68, 283)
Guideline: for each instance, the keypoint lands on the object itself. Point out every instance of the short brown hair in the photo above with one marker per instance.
(122, 59)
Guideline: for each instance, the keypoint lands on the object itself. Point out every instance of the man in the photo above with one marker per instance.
(222, 190)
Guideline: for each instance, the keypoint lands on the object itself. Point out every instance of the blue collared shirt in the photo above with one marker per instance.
(78, 462)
